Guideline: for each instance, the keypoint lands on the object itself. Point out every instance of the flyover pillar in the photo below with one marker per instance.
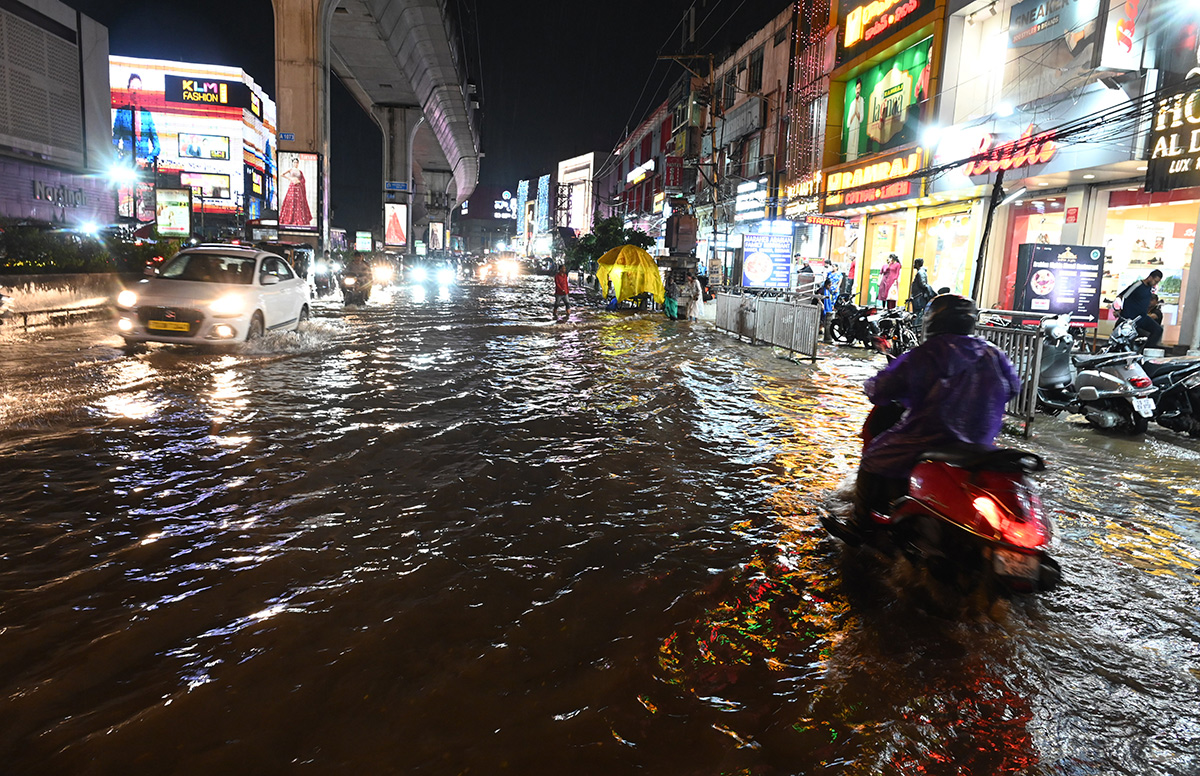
(302, 88)
(399, 124)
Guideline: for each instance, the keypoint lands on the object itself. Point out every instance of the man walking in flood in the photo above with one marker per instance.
(562, 289)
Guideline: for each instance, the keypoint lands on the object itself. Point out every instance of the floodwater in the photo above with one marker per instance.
(447, 535)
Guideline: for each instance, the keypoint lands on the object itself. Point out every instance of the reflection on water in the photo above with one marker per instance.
(446, 533)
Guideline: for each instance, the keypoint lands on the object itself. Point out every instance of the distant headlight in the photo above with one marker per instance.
(419, 274)
(445, 276)
(228, 305)
(126, 299)
(381, 273)
(349, 280)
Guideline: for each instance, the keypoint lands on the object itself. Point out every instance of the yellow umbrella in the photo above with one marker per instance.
(632, 272)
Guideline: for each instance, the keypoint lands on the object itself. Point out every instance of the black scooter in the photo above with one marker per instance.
(1176, 381)
(355, 290)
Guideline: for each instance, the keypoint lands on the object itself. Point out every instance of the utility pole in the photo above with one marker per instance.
(712, 111)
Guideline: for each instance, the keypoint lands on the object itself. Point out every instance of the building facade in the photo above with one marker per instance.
(54, 128)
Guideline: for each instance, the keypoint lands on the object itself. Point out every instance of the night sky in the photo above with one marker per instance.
(557, 79)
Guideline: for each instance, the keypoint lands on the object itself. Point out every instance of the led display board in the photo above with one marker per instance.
(866, 23)
(395, 221)
(543, 204)
(206, 184)
(363, 242)
(299, 181)
(160, 121)
(886, 105)
(194, 146)
(173, 212)
(437, 232)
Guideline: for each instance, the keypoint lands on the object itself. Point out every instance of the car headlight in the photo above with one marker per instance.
(126, 299)
(445, 276)
(230, 304)
(419, 274)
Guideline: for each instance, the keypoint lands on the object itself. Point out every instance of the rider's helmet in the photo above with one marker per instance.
(950, 314)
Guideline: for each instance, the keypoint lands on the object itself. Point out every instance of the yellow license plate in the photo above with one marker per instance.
(169, 325)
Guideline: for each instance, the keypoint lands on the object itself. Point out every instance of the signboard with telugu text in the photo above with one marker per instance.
(866, 23)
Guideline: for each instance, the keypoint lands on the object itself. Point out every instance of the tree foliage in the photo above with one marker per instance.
(607, 234)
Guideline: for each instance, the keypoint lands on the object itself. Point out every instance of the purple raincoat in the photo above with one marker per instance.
(954, 387)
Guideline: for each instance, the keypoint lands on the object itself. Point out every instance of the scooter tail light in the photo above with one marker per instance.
(1029, 534)
(1141, 382)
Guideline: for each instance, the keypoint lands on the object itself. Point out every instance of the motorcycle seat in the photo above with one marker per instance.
(1156, 367)
(1092, 361)
(983, 458)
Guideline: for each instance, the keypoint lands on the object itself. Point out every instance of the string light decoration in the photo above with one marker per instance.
(806, 120)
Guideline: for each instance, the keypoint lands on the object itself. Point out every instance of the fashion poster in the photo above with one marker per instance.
(299, 176)
(395, 219)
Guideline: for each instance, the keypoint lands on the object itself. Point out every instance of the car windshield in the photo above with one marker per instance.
(210, 268)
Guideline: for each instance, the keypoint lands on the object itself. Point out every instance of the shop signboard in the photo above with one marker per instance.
(173, 212)
(673, 176)
(885, 105)
(881, 179)
(866, 23)
(1174, 161)
(1125, 34)
(1024, 144)
(1058, 279)
(767, 260)
(363, 242)
(1051, 43)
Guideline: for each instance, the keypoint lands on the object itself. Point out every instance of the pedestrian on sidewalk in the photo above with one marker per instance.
(562, 289)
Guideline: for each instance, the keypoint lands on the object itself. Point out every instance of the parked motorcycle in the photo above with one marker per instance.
(852, 323)
(1111, 390)
(1176, 381)
(972, 517)
(897, 332)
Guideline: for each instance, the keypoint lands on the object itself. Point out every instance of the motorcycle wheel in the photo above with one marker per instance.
(839, 331)
(1132, 422)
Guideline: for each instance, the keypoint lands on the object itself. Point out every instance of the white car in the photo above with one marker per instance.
(213, 295)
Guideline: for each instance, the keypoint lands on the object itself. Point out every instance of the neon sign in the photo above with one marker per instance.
(867, 23)
(1026, 151)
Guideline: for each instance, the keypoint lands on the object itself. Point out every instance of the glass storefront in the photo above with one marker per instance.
(885, 234)
(1139, 233)
(1144, 232)
(946, 241)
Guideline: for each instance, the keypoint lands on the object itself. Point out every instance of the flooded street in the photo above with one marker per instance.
(447, 535)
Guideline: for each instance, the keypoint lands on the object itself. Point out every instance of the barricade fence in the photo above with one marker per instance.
(783, 321)
(1023, 345)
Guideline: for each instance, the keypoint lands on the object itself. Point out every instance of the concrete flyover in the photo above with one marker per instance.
(402, 61)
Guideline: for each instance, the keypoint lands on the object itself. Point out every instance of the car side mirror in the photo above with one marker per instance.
(269, 280)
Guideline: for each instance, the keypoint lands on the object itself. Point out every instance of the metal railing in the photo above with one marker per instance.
(1023, 345)
(782, 321)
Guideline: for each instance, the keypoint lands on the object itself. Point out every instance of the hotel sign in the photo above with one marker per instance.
(887, 178)
(868, 23)
(1175, 130)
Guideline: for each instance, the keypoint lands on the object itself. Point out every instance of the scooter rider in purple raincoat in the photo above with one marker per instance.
(952, 389)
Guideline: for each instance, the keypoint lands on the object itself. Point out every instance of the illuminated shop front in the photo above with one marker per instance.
(881, 96)
(209, 128)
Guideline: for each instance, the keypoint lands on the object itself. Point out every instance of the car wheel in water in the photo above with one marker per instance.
(304, 315)
(256, 328)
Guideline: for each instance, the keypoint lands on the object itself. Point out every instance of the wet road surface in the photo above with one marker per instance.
(446, 534)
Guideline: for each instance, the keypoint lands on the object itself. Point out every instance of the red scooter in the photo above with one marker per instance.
(971, 516)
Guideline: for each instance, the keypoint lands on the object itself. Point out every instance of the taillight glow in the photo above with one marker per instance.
(987, 507)
(1029, 534)
(1141, 382)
